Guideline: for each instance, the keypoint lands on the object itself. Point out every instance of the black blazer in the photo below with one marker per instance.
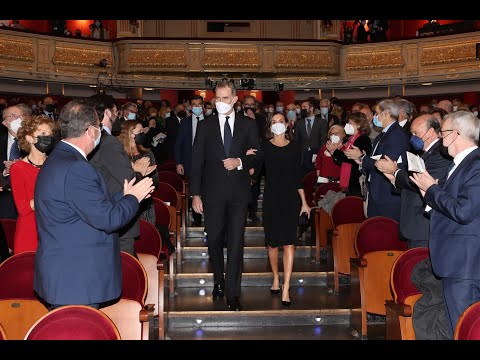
(114, 165)
(414, 225)
(7, 205)
(318, 136)
(209, 178)
(171, 129)
(183, 144)
(363, 143)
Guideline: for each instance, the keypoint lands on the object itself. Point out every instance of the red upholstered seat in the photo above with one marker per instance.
(468, 326)
(9, 226)
(173, 179)
(376, 234)
(309, 181)
(162, 214)
(168, 166)
(75, 322)
(401, 282)
(348, 210)
(134, 283)
(150, 241)
(16, 276)
(166, 193)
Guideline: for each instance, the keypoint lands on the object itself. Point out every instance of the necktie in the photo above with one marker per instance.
(227, 136)
(14, 151)
(309, 127)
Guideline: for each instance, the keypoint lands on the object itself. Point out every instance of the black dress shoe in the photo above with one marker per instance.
(197, 224)
(217, 292)
(234, 304)
(253, 217)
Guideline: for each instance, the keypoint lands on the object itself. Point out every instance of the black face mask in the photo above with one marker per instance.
(182, 114)
(304, 113)
(140, 139)
(50, 108)
(44, 143)
(246, 107)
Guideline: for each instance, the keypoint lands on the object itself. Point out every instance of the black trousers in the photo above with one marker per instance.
(221, 217)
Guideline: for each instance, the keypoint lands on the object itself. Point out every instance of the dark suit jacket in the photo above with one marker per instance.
(7, 205)
(406, 128)
(318, 135)
(209, 178)
(414, 224)
(393, 144)
(183, 144)
(455, 221)
(171, 128)
(113, 163)
(78, 254)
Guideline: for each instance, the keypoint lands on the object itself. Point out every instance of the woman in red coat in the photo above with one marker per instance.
(324, 163)
(35, 138)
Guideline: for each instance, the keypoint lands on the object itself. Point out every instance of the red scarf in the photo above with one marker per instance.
(351, 140)
(346, 168)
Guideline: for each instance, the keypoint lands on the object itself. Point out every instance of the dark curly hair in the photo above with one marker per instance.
(30, 124)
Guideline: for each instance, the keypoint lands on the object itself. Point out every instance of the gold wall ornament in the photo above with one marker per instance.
(157, 58)
(304, 59)
(448, 53)
(82, 57)
(226, 58)
(374, 60)
(16, 50)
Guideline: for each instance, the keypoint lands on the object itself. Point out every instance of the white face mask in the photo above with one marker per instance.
(16, 124)
(335, 139)
(209, 111)
(278, 128)
(298, 111)
(455, 108)
(349, 129)
(475, 113)
(222, 107)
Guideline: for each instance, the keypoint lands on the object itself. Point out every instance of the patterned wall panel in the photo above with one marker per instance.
(374, 60)
(16, 50)
(227, 58)
(160, 58)
(80, 56)
(450, 53)
(305, 59)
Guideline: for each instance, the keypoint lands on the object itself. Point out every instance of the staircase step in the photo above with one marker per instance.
(249, 252)
(249, 231)
(263, 279)
(193, 266)
(297, 332)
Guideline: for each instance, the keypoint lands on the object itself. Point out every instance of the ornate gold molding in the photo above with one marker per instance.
(82, 57)
(157, 58)
(304, 59)
(374, 60)
(16, 50)
(223, 58)
(450, 53)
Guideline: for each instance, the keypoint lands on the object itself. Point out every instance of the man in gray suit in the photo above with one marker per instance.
(311, 132)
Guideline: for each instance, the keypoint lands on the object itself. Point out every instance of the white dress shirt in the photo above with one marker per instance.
(76, 148)
(402, 123)
(231, 122)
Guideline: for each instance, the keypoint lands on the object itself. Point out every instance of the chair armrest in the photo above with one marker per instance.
(147, 312)
(399, 309)
(358, 262)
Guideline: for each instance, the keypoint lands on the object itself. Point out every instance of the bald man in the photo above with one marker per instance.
(446, 105)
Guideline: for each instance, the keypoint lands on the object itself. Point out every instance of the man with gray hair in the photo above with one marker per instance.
(404, 114)
(383, 199)
(78, 256)
(453, 204)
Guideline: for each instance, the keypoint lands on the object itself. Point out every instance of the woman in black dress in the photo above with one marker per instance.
(283, 199)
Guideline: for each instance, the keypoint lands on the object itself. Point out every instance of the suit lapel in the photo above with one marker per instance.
(218, 136)
(459, 169)
(237, 129)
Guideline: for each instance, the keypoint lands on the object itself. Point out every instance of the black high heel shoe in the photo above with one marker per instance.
(286, 303)
(274, 291)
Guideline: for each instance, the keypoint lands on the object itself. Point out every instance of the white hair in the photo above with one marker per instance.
(390, 106)
(467, 125)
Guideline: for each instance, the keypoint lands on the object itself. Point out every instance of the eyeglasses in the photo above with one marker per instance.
(445, 133)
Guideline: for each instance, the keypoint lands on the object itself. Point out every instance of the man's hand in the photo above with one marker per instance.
(32, 204)
(231, 163)
(8, 165)
(180, 169)
(354, 153)
(423, 181)
(145, 129)
(251, 151)
(251, 171)
(331, 147)
(250, 114)
(386, 165)
(197, 204)
(140, 190)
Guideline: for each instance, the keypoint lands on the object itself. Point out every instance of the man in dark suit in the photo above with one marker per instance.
(49, 108)
(130, 112)
(184, 144)
(172, 124)
(414, 224)
(311, 132)
(78, 256)
(220, 186)
(10, 152)
(113, 163)
(404, 114)
(383, 198)
(453, 204)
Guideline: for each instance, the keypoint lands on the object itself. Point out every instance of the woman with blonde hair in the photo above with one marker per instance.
(324, 163)
(35, 138)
